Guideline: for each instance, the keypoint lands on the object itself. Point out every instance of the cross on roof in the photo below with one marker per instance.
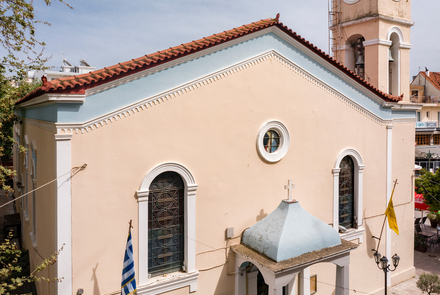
(289, 187)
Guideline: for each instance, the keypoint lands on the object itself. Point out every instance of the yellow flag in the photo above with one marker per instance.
(392, 220)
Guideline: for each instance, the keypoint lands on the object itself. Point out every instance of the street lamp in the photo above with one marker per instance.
(382, 263)
(429, 156)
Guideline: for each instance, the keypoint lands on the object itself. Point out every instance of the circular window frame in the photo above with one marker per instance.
(284, 144)
(351, 1)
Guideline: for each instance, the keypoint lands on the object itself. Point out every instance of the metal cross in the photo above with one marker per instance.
(289, 188)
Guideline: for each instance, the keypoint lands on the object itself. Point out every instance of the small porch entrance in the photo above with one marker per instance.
(257, 274)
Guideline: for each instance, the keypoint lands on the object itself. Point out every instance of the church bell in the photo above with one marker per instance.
(360, 60)
(390, 56)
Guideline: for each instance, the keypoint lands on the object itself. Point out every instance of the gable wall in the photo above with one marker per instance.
(212, 131)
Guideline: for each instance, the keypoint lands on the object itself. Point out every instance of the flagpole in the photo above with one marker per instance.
(128, 283)
(381, 231)
(385, 219)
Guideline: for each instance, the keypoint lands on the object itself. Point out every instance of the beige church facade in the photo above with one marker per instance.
(195, 144)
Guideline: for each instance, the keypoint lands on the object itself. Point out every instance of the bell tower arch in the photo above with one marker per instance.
(372, 38)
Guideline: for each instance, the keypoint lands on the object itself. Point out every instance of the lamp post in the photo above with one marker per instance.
(382, 263)
(429, 156)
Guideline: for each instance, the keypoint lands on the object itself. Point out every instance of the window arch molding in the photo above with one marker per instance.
(395, 37)
(189, 278)
(397, 31)
(356, 233)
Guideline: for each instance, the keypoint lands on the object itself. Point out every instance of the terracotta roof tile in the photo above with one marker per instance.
(434, 78)
(80, 83)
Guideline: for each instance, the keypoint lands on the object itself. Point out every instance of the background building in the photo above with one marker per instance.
(425, 91)
(66, 70)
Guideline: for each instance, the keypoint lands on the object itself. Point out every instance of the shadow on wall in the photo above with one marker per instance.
(95, 281)
(371, 242)
(226, 282)
(261, 215)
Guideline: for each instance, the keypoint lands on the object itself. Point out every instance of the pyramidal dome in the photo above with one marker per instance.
(288, 232)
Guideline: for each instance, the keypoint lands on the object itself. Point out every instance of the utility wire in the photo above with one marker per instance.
(74, 171)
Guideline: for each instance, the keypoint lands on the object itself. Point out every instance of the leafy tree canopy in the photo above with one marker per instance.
(429, 185)
(20, 52)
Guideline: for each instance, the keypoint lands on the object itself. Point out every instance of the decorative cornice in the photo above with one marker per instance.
(133, 109)
(49, 98)
(176, 62)
(330, 90)
(377, 42)
(62, 137)
(405, 45)
(377, 17)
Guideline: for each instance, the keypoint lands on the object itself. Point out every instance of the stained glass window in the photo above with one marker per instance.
(166, 224)
(271, 141)
(346, 193)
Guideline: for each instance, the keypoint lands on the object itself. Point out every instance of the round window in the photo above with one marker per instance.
(273, 141)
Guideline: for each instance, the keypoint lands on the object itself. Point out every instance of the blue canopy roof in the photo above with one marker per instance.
(288, 232)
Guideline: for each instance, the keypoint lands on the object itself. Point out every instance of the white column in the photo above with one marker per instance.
(388, 192)
(252, 283)
(142, 277)
(190, 224)
(304, 281)
(336, 198)
(63, 213)
(240, 276)
(342, 280)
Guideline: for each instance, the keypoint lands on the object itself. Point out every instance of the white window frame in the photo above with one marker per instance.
(281, 129)
(352, 233)
(173, 281)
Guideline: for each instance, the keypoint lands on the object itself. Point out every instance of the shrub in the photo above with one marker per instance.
(429, 283)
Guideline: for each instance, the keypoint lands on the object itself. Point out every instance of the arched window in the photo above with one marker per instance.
(166, 224)
(393, 66)
(167, 229)
(355, 55)
(395, 37)
(346, 193)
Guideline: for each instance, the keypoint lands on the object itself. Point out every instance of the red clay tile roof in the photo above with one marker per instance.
(434, 78)
(79, 83)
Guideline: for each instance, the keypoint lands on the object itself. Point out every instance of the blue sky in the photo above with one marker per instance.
(105, 32)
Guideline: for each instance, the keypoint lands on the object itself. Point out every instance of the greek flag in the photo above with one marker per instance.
(128, 285)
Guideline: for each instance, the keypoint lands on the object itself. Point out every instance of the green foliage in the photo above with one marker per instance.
(22, 52)
(8, 95)
(14, 267)
(433, 216)
(429, 283)
(429, 185)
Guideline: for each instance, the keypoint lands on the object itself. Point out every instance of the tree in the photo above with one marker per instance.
(429, 283)
(22, 53)
(14, 267)
(429, 185)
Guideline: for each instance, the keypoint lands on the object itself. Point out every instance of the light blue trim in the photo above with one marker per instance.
(401, 114)
(45, 113)
(110, 100)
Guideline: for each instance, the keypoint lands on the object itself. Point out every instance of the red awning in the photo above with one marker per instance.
(419, 202)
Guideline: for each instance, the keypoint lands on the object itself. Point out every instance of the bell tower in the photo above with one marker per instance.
(372, 38)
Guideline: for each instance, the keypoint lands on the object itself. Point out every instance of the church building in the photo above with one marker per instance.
(248, 162)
